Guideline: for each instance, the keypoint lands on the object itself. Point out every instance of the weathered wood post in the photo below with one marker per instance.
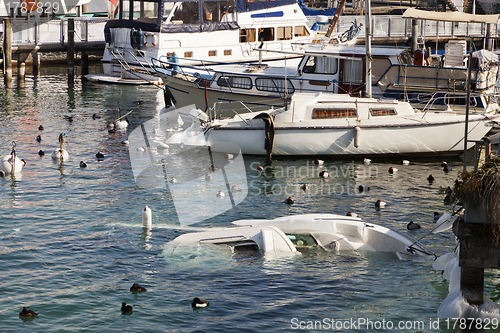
(7, 50)
(479, 229)
(21, 66)
(71, 47)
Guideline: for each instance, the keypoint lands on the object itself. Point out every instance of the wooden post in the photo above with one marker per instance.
(85, 63)
(21, 66)
(414, 37)
(71, 47)
(36, 61)
(7, 49)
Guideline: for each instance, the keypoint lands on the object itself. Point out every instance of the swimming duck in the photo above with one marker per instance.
(137, 288)
(323, 174)
(229, 156)
(235, 189)
(41, 153)
(351, 214)
(126, 142)
(260, 168)
(40, 128)
(446, 168)
(430, 178)
(363, 188)
(112, 130)
(27, 313)
(380, 204)
(318, 161)
(213, 168)
(126, 308)
(289, 201)
(199, 303)
(38, 138)
(83, 164)
(304, 187)
(405, 162)
(142, 149)
(96, 116)
(173, 180)
(11, 163)
(99, 155)
(448, 199)
(443, 164)
(392, 170)
(61, 153)
(220, 194)
(413, 226)
(366, 161)
(208, 177)
(147, 219)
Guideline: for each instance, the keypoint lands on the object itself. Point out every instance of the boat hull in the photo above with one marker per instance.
(381, 140)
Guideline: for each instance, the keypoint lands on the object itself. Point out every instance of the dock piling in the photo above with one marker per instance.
(71, 47)
(7, 50)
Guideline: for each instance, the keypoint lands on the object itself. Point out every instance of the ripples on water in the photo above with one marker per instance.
(72, 241)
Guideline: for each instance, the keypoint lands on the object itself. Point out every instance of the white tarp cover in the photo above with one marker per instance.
(412, 13)
(485, 56)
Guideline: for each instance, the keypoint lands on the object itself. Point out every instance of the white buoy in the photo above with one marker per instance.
(147, 220)
(357, 136)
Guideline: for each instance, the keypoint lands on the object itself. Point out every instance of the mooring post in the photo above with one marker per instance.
(7, 49)
(85, 63)
(21, 66)
(71, 47)
(414, 32)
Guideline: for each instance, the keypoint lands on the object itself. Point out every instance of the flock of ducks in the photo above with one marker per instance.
(12, 164)
(126, 309)
(379, 203)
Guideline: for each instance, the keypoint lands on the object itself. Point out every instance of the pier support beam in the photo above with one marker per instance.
(71, 48)
(7, 50)
(21, 66)
(85, 63)
(36, 61)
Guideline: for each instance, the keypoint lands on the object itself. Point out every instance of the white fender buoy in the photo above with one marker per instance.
(357, 136)
(147, 220)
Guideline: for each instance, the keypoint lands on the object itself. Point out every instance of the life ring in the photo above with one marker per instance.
(150, 39)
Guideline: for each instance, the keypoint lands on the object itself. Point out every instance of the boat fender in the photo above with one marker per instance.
(150, 39)
(357, 136)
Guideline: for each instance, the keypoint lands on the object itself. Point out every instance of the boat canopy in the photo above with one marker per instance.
(412, 13)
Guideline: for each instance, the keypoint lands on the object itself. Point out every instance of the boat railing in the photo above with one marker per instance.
(435, 98)
(431, 77)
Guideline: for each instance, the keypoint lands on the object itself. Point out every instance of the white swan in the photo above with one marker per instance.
(11, 163)
(61, 153)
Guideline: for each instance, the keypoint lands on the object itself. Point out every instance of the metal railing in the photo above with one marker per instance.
(53, 31)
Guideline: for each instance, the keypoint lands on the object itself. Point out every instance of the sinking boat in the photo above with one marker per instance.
(326, 232)
(343, 126)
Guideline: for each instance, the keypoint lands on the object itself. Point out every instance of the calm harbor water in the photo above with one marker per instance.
(72, 242)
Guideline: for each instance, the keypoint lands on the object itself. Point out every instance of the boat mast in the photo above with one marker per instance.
(368, 43)
(335, 19)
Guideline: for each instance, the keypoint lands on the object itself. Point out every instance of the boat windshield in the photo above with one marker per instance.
(143, 11)
(302, 241)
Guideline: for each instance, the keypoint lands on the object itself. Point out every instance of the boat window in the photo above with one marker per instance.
(353, 71)
(274, 85)
(383, 112)
(212, 53)
(333, 113)
(321, 65)
(266, 34)
(247, 35)
(379, 67)
(302, 240)
(240, 82)
(301, 31)
(188, 54)
(186, 13)
(228, 52)
(284, 33)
